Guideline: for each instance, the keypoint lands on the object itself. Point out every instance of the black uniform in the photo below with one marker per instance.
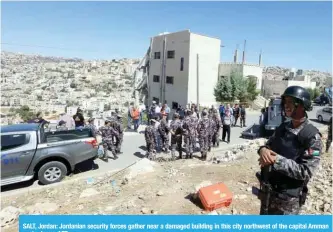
(298, 158)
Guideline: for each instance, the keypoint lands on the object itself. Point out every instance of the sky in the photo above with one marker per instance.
(290, 34)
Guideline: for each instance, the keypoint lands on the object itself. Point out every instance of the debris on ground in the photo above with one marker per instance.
(149, 187)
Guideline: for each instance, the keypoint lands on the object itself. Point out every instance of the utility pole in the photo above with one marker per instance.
(198, 80)
(243, 61)
(148, 101)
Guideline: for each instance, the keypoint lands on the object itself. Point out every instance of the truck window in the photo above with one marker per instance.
(12, 141)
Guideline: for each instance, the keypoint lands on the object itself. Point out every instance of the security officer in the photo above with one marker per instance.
(150, 137)
(329, 136)
(176, 131)
(120, 129)
(290, 157)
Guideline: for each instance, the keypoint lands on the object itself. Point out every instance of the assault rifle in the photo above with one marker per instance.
(265, 189)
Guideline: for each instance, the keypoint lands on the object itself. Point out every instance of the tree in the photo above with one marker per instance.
(314, 93)
(236, 87)
(54, 112)
(25, 113)
(223, 90)
(252, 92)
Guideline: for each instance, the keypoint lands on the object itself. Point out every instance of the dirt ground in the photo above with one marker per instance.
(167, 189)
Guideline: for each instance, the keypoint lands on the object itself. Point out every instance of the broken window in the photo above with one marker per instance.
(169, 80)
(157, 55)
(171, 54)
(182, 64)
(156, 78)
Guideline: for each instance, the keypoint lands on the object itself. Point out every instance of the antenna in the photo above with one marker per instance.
(243, 61)
(260, 57)
(236, 54)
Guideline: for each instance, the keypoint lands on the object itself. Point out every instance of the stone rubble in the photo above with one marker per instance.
(319, 200)
(9, 215)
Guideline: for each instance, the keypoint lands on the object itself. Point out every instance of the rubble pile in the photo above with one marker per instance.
(319, 200)
(238, 151)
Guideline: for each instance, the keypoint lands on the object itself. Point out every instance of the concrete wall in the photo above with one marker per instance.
(176, 92)
(208, 50)
(303, 84)
(225, 69)
(253, 70)
(273, 87)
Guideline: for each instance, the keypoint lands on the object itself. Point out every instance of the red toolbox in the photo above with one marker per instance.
(215, 196)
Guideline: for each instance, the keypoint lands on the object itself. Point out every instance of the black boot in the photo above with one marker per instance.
(205, 156)
(191, 155)
(115, 156)
(180, 155)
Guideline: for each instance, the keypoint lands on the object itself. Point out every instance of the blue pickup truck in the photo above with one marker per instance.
(28, 151)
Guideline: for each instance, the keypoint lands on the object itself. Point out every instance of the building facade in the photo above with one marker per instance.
(245, 70)
(277, 87)
(183, 68)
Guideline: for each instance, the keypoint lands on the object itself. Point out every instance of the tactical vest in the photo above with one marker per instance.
(293, 147)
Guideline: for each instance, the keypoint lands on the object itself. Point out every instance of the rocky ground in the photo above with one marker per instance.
(164, 187)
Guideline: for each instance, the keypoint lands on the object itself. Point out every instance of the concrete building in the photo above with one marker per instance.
(277, 87)
(183, 68)
(245, 70)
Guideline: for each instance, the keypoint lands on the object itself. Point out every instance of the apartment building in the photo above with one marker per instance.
(183, 68)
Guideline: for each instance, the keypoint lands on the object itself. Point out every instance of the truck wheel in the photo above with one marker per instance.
(52, 172)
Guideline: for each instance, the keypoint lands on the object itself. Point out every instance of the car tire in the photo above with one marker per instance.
(52, 172)
(320, 118)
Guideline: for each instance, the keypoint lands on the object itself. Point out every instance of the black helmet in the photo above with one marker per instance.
(301, 95)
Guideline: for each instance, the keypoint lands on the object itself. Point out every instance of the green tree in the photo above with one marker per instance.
(25, 113)
(252, 92)
(239, 86)
(223, 90)
(314, 93)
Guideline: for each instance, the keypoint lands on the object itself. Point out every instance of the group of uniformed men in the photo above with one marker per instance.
(190, 129)
(112, 134)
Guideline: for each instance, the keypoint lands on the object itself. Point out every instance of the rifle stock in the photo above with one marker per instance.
(265, 188)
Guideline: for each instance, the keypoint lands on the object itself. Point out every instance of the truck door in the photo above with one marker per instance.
(17, 152)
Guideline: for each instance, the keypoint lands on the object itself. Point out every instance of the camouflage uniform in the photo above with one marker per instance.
(203, 134)
(296, 162)
(211, 132)
(150, 138)
(118, 126)
(176, 137)
(216, 132)
(107, 132)
(190, 131)
(329, 136)
(93, 129)
(163, 130)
